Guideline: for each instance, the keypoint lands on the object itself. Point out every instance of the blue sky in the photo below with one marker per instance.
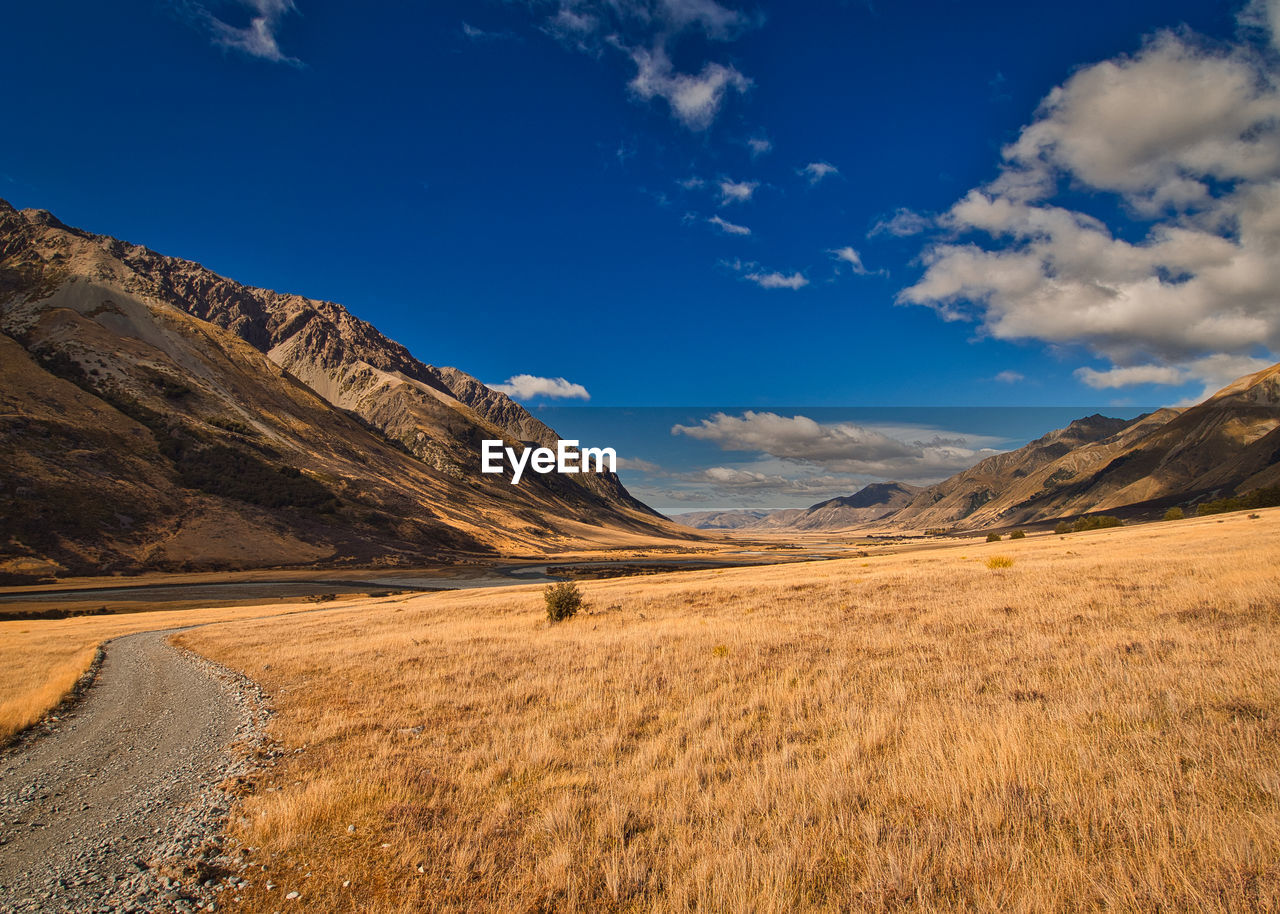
(692, 202)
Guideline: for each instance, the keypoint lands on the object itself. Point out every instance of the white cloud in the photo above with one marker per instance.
(776, 280)
(1263, 16)
(729, 228)
(1186, 136)
(717, 22)
(694, 100)
(1009, 377)
(1214, 372)
(1133, 374)
(902, 223)
(640, 465)
(692, 183)
(647, 32)
(816, 171)
(851, 257)
(527, 386)
(258, 38)
(737, 191)
(759, 145)
(842, 446)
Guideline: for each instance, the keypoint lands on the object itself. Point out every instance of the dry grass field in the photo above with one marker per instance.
(41, 659)
(1095, 725)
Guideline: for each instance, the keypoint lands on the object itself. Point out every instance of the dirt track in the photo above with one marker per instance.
(129, 779)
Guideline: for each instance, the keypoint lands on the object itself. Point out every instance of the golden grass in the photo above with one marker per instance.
(41, 659)
(1094, 727)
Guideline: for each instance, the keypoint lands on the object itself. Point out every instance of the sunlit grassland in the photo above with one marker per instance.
(42, 659)
(1091, 724)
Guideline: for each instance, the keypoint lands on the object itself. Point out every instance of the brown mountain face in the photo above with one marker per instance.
(1227, 445)
(868, 504)
(154, 415)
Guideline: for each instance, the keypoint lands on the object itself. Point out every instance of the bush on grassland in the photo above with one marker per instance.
(1258, 498)
(993, 537)
(1018, 535)
(1174, 514)
(563, 600)
(1091, 522)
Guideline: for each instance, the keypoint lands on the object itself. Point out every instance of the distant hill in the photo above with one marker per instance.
(155, 415)
(868, 503)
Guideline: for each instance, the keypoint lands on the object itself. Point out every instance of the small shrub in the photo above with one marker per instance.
(720, 650)
(563, 600)
(1018, 535)
(999, 561)
(1174, 514)
(1254, 516)
(993, 537)
(1062, 527)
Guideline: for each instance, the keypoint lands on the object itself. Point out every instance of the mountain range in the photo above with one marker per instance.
(156, 415)
(1227, 445)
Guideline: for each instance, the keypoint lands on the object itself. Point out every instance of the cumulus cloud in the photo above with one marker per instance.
(1186, 137)
(729, 228)
(776, 280)
(737, 191)
(842, 446)
(258, 38)
(816, 171)
(694, 99)
(759, 145)
(902, 223)
(527, 386)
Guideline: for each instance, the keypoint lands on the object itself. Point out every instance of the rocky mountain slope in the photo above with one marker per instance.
(156, 415)
(1227, 445)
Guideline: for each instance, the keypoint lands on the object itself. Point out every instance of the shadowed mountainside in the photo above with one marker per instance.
(154, 415)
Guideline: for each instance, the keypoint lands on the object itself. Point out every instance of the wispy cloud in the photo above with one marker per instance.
(1009, 377)
(729, 228)
(776, 280)
(759, 145)
(695, 100)
(816, 171)
(848, 255)
(647, 31)
(902, 223)
(1214, 372)
(258, 38)
(737, 191)
(527, 386)
(472, 33)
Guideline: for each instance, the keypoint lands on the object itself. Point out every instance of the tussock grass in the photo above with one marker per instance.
(1096, 727)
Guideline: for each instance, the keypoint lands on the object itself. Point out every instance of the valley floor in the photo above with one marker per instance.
(1055, 723)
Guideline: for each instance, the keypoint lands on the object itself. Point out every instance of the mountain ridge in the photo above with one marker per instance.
(122, 402)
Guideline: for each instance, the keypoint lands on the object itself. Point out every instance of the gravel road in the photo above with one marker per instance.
(118, 808)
